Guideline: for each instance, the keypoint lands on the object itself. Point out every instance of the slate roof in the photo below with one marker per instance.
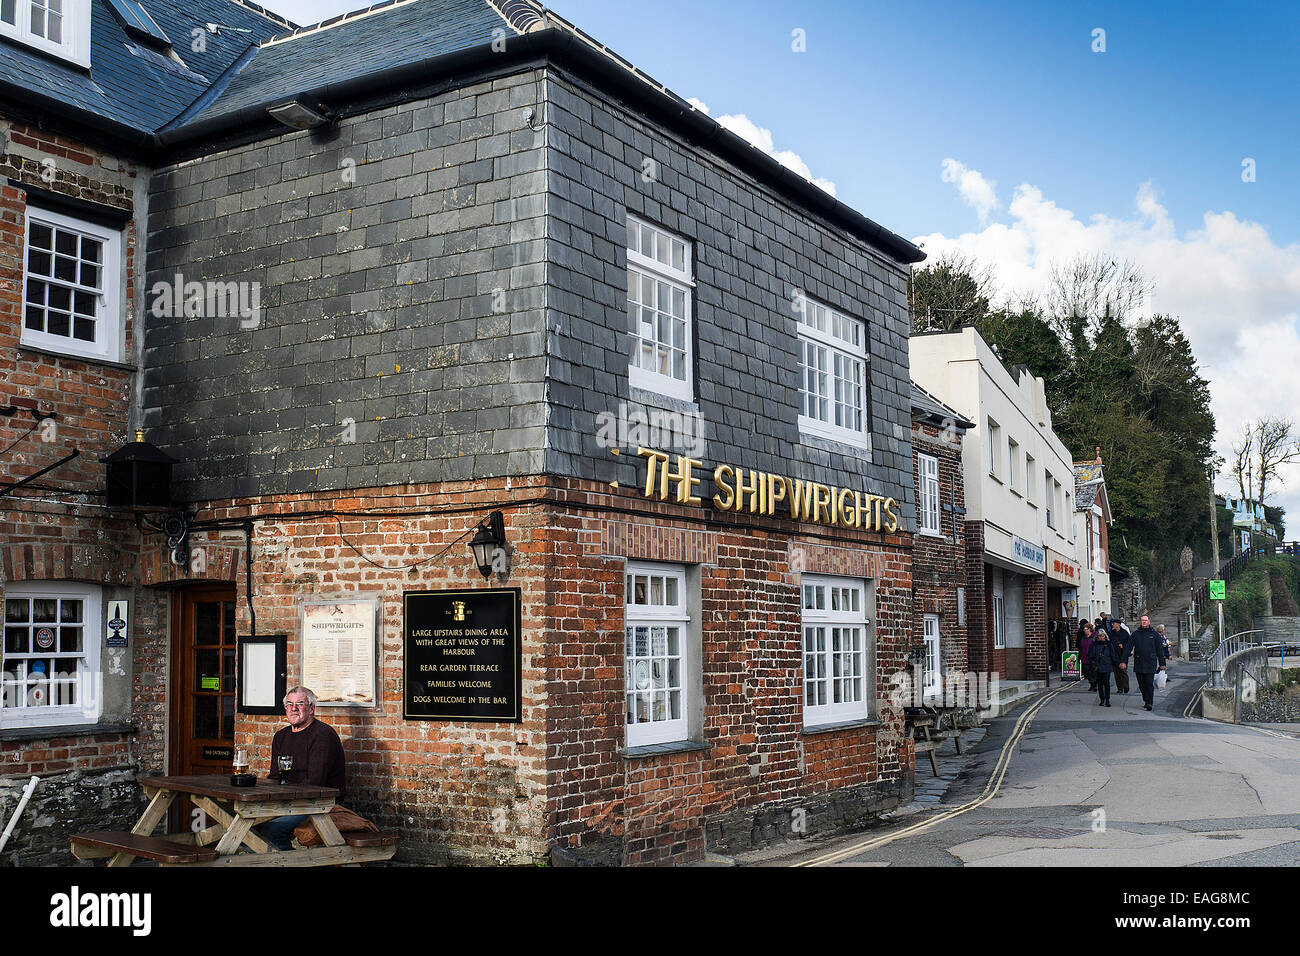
(152, 97)
(1089, 482)
(926, 407)
(385, 37)
(129, 82)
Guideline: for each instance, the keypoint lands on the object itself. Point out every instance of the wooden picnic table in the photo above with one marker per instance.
(235, 811)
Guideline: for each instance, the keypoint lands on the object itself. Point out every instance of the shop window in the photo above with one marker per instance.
(657, 664)
(57, 27)
(832, 374)
(659, 290)
(928, 514)
(49, 671)
(837, 683)
(70, 295)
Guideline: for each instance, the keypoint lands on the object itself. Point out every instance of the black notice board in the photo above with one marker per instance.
(461, 652)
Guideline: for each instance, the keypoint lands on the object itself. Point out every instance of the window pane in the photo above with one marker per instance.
(16, 610)
(45, 609)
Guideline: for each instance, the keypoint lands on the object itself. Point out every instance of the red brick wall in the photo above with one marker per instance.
(482, 792)
(1035, 589)
(57, 528)
(939, 564)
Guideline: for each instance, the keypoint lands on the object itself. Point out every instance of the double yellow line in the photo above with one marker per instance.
(990, 791)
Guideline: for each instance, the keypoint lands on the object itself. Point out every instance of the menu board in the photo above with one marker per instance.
(338, 651)
(462, 655)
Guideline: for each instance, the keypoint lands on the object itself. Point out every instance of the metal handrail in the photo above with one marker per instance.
(1227, 647)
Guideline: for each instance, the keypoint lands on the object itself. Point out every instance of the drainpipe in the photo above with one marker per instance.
(22, 803)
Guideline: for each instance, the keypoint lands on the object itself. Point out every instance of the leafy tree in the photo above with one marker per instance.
(951, 292)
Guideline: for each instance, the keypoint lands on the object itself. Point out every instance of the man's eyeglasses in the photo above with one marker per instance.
(301, 706)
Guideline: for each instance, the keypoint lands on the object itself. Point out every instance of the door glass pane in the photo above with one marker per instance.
(228, 631)
(205, 716)
(207, 623)
(207, 673)
(227, 717)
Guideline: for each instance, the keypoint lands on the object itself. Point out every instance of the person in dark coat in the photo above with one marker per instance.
(1085, 645)
(1104, 660)
(1119, 637)
(1147, 648)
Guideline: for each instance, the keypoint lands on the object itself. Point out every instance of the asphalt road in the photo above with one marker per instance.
(1091, 786)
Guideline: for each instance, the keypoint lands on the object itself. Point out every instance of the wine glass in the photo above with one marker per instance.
(286, 764)
(241, 762)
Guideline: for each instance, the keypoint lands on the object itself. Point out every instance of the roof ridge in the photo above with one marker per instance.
(267, 14)
(359, 14)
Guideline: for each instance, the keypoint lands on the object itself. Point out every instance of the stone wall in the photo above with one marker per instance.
(401, 274)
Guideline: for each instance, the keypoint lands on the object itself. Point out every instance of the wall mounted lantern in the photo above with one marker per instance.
(490, 535)
(140, 476)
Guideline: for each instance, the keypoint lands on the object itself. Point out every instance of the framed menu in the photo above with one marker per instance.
(339, 641)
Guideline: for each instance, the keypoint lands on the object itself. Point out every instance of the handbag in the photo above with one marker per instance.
(346, 821)
(1160, 680)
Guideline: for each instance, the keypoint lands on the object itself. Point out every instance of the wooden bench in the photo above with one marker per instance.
(123, 845)
(366, 838)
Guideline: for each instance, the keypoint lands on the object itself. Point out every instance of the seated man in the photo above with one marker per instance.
(317, 759)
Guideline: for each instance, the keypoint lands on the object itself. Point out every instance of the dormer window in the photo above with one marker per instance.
(60, 28)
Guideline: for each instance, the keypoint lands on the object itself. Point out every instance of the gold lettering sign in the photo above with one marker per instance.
(764, 493)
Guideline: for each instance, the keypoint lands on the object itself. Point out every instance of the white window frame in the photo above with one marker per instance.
(933, 669)
(642, 733)
(928, 514)
(813, 314)
(999, 621)
(75, 46)
(1029, 478)
(677, 279)
(90, 691)
(819, 661)
(1049, 497)
(1013, 452)
(108, 318)
(995, 447)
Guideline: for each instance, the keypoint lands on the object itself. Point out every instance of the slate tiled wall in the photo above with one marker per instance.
(379, 307)
(752, 251)
(378, 247)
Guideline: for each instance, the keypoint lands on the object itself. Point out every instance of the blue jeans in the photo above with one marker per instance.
(279, 832)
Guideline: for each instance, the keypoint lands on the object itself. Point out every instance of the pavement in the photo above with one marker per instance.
(1094, 786)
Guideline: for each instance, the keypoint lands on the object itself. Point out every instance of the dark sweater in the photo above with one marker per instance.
(317, 756)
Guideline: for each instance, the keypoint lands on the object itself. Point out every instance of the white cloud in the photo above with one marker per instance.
(974, 188)
(747, 129)
(1235, 290)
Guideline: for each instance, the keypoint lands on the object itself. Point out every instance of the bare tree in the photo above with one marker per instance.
(1275, 445)
(1241, 460)
(1085, 290)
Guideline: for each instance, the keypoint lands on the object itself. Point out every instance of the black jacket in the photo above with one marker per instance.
(1147, 648)
(1103, 656)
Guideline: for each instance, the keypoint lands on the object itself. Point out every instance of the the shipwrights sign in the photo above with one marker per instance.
(766, 493)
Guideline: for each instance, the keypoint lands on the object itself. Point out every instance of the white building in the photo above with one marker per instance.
(1019, 483)
(1092, 533)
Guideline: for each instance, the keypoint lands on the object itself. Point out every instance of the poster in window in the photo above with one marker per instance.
(339, 640)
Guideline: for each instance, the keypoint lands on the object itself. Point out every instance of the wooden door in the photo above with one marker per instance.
(202, 686)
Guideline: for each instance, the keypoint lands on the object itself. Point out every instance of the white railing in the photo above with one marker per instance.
(1229, 646)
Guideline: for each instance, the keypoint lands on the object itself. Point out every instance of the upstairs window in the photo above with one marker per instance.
(995, 447)
(70, 291)
(927, 517)
(832, 374)
(659, 288)
(58, 27)
(1013, 458)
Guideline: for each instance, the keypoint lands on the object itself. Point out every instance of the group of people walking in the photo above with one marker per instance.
(1108, 647)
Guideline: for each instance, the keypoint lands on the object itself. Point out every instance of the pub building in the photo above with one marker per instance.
(555, 436)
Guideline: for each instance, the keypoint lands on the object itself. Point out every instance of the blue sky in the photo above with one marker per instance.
(997, 132)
